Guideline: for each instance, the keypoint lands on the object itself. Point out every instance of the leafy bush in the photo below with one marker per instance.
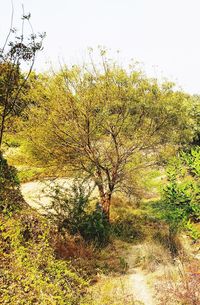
(67, 207)
(95, 227)
(10, 195)
(180, 204)
(30, 272)
(192, 161)
(69, 211)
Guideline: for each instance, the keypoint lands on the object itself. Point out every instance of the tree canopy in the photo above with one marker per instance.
(98, 119)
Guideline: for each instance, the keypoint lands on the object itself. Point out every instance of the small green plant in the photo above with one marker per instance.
(123, 264)
(194, 233)
(192, 161)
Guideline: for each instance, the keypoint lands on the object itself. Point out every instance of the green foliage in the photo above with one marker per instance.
(69, 211)
(30, 273)
(192, 161)
(10, 195)
(194, 232)
(30, 174)
(180, 205)
(95, 227)
(10, 81)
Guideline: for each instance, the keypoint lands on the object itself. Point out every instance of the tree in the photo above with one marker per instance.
(97, 120)
(21, 49)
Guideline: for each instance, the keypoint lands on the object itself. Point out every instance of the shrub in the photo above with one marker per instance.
(30, 272)
(95, 227)
(10, 195)
(69, 210)
(67, 207)
(180, 205)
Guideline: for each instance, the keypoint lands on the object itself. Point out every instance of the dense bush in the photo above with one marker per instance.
(10, 195)
(30, 272)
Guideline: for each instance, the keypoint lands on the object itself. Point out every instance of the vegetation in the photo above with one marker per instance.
(69, 211)
(126, 147)
(16, 51)
(10, 195)
(180, 206)
(30, 272)
(120, 121)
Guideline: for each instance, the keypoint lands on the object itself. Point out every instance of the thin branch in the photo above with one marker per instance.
(11, 27)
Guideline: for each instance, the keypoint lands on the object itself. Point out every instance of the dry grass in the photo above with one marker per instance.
(150, 256)
(111, 291)
(67, 246)
(181, 283)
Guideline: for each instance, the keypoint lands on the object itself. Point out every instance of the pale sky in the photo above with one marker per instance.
(164, 35)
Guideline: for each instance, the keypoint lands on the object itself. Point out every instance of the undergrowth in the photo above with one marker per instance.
(30, 272)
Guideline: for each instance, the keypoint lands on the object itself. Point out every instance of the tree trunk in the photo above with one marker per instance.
(105, 204)
(173, 241)
(2, 127)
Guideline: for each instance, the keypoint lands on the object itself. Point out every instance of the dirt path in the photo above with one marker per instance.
(137, 279)
(130, 288)
(140, 288)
